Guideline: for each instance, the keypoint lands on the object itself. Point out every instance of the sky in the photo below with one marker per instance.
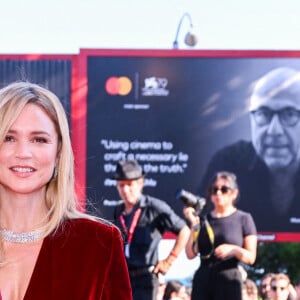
(66, 26)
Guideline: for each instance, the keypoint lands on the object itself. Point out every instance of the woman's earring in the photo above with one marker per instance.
(55, 172)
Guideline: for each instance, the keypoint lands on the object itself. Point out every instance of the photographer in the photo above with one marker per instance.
(143, 220)
(223, 238)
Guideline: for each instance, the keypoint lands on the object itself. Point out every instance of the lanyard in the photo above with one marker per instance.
(131, 230)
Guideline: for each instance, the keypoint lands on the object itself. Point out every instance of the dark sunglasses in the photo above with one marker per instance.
(275, 288)
(224, 189)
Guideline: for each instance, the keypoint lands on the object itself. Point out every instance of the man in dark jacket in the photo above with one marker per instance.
(143, 220)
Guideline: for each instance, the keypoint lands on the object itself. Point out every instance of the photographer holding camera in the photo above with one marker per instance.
(143, 220)
(223, 237)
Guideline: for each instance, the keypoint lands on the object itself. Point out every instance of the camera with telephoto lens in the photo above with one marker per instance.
(191, 200)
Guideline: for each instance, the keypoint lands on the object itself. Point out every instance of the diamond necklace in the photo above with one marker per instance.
(20, 237)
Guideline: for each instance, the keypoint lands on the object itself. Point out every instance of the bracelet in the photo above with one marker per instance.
(196, 227)
(172, 253)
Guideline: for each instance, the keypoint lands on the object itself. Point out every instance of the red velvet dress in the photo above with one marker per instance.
(82, 260)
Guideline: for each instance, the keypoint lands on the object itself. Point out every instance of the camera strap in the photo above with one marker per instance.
(210, 234)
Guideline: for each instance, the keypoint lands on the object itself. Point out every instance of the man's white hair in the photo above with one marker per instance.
(278, 81)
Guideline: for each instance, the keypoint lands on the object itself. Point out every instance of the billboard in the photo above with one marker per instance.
(174, 111)
(56, 72)
(51, 71)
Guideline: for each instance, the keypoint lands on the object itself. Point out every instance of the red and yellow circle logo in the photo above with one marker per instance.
(118, 86)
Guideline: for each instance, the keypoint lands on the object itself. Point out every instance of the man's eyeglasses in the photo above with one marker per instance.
(281, 288)
(223, 189)
(288, 116)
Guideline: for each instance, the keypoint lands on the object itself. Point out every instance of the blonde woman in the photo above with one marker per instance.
(49, 249)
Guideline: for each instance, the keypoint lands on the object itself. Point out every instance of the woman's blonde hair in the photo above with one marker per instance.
(60, 192)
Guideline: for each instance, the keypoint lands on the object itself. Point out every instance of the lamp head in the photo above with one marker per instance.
(191, 39)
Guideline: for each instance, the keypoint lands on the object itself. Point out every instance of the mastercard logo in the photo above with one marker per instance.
(118, 86)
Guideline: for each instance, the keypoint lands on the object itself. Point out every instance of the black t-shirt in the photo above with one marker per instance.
(230, 230)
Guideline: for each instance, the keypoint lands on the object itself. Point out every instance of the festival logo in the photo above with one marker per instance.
(155, 86)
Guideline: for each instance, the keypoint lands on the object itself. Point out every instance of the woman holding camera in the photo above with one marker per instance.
(223, 238)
